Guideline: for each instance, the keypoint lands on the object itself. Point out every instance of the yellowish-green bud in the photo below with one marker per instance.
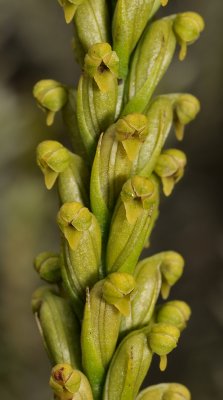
(48, 267)
(73, 219)
(101, 64)
(69, 7)
(117, 290)
(52, 158)
(137, 194)
(170, 168)
(163, 339)
(165, 391)
(175, 312)
(132, 131)
(171, 268)
(187, 27)
(51, 97)
(65, 381)
(186, 109)
(38, 296)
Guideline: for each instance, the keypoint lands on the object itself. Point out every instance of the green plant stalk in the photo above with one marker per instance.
(101, 322)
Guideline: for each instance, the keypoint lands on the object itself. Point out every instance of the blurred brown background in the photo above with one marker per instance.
(35, 44)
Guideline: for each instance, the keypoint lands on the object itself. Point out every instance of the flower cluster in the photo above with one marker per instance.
(98, 316)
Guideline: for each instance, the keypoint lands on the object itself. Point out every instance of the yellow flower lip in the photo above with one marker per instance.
(70, 7)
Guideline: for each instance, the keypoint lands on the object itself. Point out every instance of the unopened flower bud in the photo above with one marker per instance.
(51, 96)
(163, 339)
(48, 266)
(165, 391)
(187, 27)
(101, 64)
(186, 108)
(117, 290)
(170, 168)
(52, 158)
(174, 312)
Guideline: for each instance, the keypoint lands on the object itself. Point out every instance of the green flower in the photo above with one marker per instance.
(73, 219)
(163, 339)
(186, 107)
(101, 64)
(117, 290)
(187, 27)
(51, 97)
(52, 158)
(170, 168)
(132, 131)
